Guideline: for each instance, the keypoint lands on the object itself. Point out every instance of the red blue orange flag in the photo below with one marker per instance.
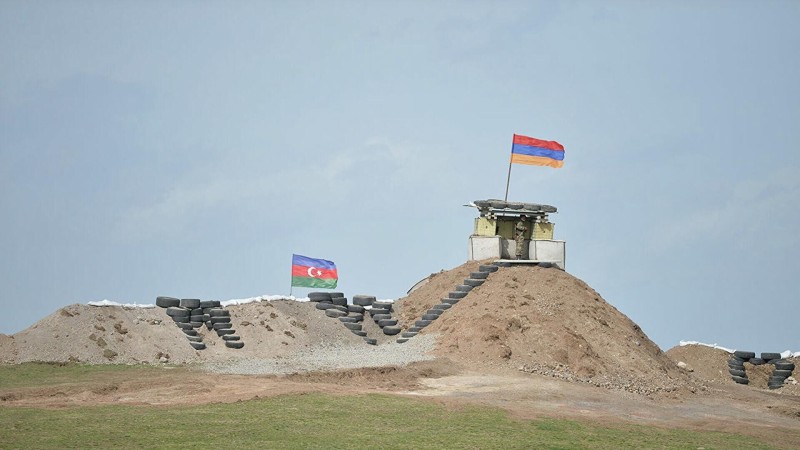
(536, 152)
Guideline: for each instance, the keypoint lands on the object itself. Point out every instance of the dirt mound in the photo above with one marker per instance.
(543, 320)
(113, 334)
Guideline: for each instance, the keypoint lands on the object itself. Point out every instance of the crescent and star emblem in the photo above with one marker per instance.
(313, 272)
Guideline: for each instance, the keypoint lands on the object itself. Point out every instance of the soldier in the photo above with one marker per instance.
(519, 235)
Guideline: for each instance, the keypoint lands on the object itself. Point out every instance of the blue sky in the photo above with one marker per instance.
(189, 148)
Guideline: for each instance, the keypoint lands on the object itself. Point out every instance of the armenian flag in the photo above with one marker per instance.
(536, 152)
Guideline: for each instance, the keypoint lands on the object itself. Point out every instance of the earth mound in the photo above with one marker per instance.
(545, 321)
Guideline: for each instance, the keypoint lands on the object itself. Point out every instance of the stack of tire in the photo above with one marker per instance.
(782, 369)
(335, 306)
(360, 305)
(475, 279)
(381, 313)
(736, 366)
(219, 320)
(187, 316)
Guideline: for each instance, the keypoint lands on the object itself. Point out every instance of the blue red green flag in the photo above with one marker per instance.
(313, 272)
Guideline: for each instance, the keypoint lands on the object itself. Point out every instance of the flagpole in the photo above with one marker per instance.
(508, 179)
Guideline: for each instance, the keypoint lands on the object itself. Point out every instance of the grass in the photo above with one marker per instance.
(49, 374)
(321, 421)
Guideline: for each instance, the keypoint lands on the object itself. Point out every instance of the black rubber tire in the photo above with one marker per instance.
(352, 326)
(479, 275)
(408, 334)
(774, 386)
(319, 296)
(335, 313)
(177, 311)
(347, 319)
(472, 282)
(340, 301)
(219, 312)
(450, 301)
(740, 380)
(375, 311)
(221, 319)
(206, 317)
(225, 331)
(736, 366)
(737, 372)
(757, 361)
(463, 288)
(442, 306)
(206, 304)
(231, 337)
(222, 326)
(196, 312)
(358, 317)
(402, 340)
(324, 305)
(502, 264)
(216, 303)
(180, 319)
(436, 312)
(371, 341)
(458, 295)
(741, 360)
(414, 329)
(234, 344)
(355, 308)
(430, 317)
(387, 323)
(487, 268)
(198, 345)
(336, 294)
(190, 303)
(391, 330)
(361, 333)
(781, 373)
(166, 302)
(184, 325)
(379, 317)
(744, 355)
(784, 365)
(196, 318)
(196, 324)
(382, 304)
(363, 300)
(194, 338)
(191, 332)
(422, 323)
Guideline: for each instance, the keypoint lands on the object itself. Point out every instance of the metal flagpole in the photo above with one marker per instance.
(508, 180)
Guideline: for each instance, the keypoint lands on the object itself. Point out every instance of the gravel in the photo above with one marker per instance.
(330, 356)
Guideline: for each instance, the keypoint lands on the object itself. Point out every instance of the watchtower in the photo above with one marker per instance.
(494, 233)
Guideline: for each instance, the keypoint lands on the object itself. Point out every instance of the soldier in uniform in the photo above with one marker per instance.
(519, 235)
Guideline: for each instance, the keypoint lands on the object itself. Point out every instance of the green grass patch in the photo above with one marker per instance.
(29, 375)
(328, 422)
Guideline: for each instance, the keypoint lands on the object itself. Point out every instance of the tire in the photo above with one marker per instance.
(463, 288)
(784, 365)
(184, 325)
(402, 340)
(225, 331)
(191, 332)
(741, 380)
(473, 283)
(166, 302)
(197, 318)
(457, 295)
(430, 317)
(371, 341)
(219, 312)
(363, 300)
(361, 333)
(340, 301)
(479, 275)
(737, 372)
(196, 312)
(231, 337)
(355, 308)
(177, 311)
(335, 313)
(352, 326)
(220, 320)
(222, 326)
(422, 323)
(379, 317)
(336, 294)
(736, 366)
(741, 360)
(346, 319)
(196, 324)
(324, 306)
(198, 345)
(436, 312)
(744, 355)
(190, 303)
(408, 334)
(206, 317)
(375, 311)
(206, 304)
(502, 264)
(194, 338)
(442, 306)
(384, 305)
(757, 361)
(319, 296)
(216, 304)
(391, 330)
(358, 317)
(180, 319)
(450, 301)
(774, 386)
(387, 323)
(234, 344)
(487, 268)
(414, 329)
(781, 373)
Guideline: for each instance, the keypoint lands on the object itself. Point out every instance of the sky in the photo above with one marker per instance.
(190, 148)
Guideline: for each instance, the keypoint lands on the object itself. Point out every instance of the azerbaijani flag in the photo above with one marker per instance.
(536, 152)
(311, 272)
